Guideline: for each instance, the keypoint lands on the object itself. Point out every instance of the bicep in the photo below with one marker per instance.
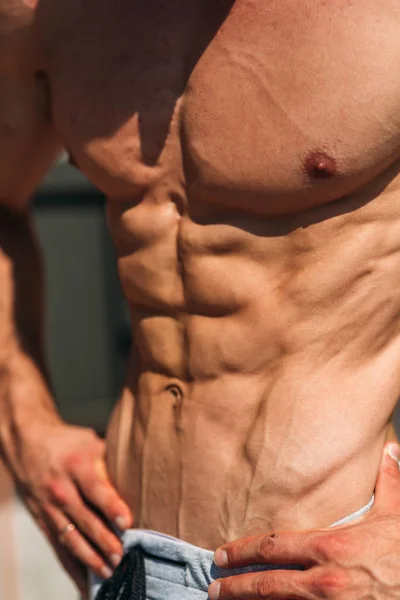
(28, 144)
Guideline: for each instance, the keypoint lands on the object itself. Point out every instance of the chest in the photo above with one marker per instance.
(275, 104)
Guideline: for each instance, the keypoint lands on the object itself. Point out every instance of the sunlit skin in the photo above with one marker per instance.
(249, 152)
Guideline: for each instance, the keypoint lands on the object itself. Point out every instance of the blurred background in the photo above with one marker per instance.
(88, 340)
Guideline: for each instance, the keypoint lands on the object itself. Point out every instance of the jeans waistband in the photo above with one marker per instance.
(173, 566)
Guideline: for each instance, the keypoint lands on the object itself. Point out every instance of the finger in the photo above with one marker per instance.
(319, 582)
(94, 529)
(67, 498)
(285, 548)
(387, 490)
(288, 585)
(76, 544)
(98, 490)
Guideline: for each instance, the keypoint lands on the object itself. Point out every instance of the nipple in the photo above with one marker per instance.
(320, 166)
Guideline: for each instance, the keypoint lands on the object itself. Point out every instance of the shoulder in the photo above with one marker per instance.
(18, 39)
(28, 143)
(26, 26)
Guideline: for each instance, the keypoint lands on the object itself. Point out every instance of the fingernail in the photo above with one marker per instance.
(121, 523)
(220, 558)
(115, 559)
(214, 590)
(394, 452)
(106, 572)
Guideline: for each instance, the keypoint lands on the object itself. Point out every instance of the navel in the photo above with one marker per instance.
(320, 165)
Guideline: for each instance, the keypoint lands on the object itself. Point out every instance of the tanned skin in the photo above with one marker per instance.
(250, 153)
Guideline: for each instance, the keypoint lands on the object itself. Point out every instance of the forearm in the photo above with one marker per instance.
(59, 469)
(25, 393)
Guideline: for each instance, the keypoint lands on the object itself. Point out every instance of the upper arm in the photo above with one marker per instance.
(28, 143)
(28, 146)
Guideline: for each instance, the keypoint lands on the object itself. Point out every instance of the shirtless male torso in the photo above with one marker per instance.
(249, 152)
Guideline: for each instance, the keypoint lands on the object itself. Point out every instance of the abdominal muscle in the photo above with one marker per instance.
(263, 402)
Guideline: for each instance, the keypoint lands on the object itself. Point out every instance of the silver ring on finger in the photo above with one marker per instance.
(69, 528)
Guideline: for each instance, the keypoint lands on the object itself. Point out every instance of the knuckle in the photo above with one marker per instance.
(106, 500)
(92, 479)
(95, 494)
(74, 461)
(226, 591)
(329, 584)
(80, 548)
(268, 544)
(88, 481)
(56, 492)
(236, 550)
(263, 587)
(86, 525)
(331, 547)
(97, 532)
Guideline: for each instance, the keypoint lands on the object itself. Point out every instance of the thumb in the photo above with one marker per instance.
(387, 491)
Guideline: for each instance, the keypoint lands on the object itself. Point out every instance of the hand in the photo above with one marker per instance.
(350, 562)
(62, 476)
